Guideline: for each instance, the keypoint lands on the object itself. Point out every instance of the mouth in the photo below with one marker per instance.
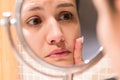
(58, 53)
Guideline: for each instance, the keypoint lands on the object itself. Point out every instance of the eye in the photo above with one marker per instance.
(34, 21)
(66, 16)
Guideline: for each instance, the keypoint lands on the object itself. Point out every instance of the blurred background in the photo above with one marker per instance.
(88, 20)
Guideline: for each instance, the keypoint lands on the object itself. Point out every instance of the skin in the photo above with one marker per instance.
(50, 25)
(108, 29)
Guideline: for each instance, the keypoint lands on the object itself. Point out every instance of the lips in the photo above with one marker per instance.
(58, 53)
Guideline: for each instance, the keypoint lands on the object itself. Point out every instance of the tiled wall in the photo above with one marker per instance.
(102, 70)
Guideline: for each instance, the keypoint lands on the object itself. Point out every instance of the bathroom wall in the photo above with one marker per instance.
(8, 62)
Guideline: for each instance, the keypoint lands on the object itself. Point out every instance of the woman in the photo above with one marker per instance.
(52, 29)
(108, 29)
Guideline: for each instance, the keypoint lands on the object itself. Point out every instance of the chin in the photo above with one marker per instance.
(62, 63)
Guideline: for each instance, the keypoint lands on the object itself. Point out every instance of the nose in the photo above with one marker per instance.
(55, 34)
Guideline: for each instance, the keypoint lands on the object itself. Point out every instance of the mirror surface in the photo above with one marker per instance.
(88, 20)
(56, 34)
(52, 33)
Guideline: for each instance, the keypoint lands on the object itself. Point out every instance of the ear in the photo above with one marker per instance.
(102, 6)
(117, 5)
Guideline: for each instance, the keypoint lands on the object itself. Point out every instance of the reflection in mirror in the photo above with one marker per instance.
(88, 20)
(56, 35)
(53, 34)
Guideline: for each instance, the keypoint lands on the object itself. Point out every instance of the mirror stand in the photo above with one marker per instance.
(68, 77)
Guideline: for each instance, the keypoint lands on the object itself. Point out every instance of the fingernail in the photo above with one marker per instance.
(82, 39)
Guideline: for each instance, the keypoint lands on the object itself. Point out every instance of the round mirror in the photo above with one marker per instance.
(52, 33)
(55, 34)
(59, 35)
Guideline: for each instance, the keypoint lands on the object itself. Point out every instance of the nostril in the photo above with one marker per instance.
(56, 41)
(52, 41)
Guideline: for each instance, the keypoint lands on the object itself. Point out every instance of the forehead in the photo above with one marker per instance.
(46, 2)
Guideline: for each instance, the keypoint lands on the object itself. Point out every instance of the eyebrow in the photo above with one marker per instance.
(65, 5)
(35, 8)
(58, 6)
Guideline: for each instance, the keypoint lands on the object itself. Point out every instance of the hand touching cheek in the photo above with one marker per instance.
(78, 51)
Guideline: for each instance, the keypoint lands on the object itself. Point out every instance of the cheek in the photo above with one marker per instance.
(71, 35)
(37, 44)
(72, 31)
(35, 40)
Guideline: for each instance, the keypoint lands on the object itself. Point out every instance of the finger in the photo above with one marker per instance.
(78, 51)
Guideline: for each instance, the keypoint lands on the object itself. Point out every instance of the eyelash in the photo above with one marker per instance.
(64, 16)
(35, 20)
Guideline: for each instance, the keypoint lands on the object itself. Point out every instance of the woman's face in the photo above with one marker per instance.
(51, 28)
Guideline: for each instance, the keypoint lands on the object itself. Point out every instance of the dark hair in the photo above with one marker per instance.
(77, 4)
(77, 7)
